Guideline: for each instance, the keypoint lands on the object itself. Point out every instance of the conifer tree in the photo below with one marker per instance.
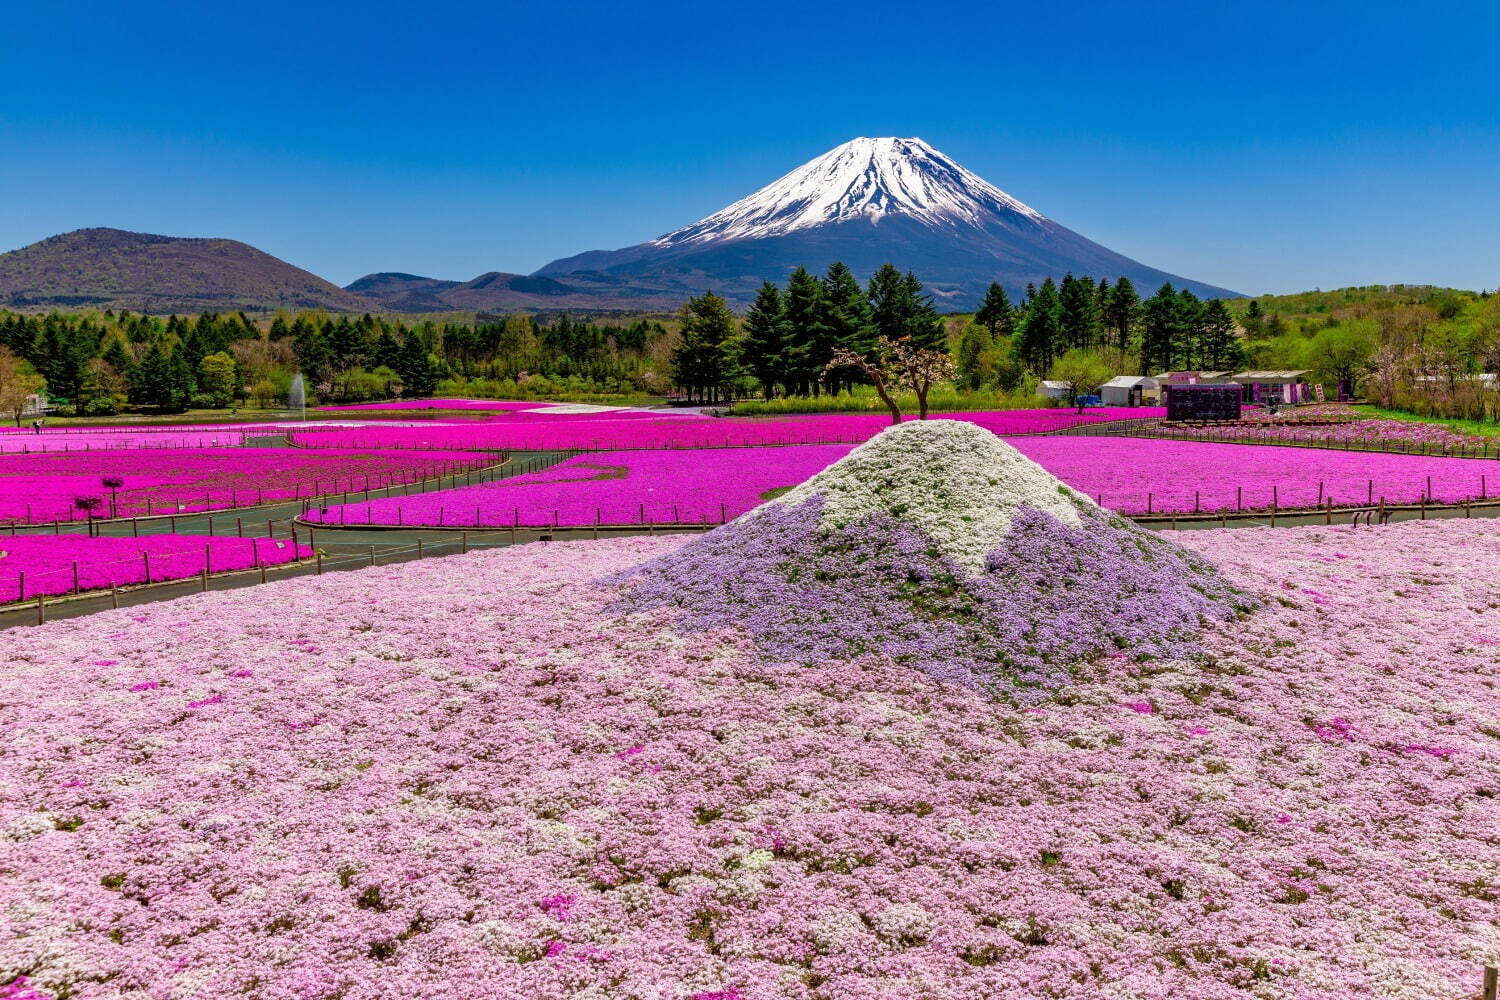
(847, 317)
(1120, 315)
(808, 347)
(1040, 337)
(995, 313)
(763, 349)
(1076, 312)
(704, 361)
(904, 311)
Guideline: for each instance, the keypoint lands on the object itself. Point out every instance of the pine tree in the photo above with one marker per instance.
(1040, 338)
(1218, 344)
(904, 311)
(763, 349)
(1120, 315)
(1076, 315)
(808, 346)
(995, 312)
(704, 361)
(1161, 330)
(847, 317)
(1190, 332)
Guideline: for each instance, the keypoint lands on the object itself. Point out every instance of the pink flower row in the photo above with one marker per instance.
(540, 433)
(44, 564)
(44, 488)
(1124, 474)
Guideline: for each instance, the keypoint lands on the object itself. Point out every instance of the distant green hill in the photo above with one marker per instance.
(115, 269)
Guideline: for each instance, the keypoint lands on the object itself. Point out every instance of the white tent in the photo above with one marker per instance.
(1130, 390)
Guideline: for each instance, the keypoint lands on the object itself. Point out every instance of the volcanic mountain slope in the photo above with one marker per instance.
(868, 202)
(116, 269)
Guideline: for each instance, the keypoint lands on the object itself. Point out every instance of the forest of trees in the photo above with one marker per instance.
(789, 334)
(101, 363)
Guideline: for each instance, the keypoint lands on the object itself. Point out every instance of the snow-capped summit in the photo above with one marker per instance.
(863, 178)
(867, 202)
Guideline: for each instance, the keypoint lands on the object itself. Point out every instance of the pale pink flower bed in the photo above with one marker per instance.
(462, 779)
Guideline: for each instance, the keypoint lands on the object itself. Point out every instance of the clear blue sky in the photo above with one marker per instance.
(1260, 146)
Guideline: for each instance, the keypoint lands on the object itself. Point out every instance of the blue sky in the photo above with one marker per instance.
(1264, 147)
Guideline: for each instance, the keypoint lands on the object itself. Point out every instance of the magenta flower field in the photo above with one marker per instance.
(611, 432)
(45, 488)
(1131, 475)
(43, 564)
(1128, 475)
(617, 487)
(465, 777)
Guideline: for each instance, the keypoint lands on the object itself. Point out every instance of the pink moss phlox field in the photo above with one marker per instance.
(480, 405)
(540, 431)
(94, 439)
(1339, 424)
(1179, 476)
(44, 488)
(458, 779)
(617, 487)
(1123, 471)
(47, 560)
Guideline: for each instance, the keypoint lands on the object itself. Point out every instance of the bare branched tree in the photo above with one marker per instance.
(897, 365)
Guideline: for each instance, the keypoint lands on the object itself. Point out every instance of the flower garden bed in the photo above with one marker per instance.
(45, 488)
(1132, 476)
(468, 778)
(620, 487)
(33, 565)
(613, 432)
(1140, 476)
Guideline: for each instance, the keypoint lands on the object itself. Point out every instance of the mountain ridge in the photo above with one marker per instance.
(107, 268)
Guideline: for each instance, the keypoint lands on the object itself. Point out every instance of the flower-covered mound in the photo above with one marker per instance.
(470, 783)
(941, 546)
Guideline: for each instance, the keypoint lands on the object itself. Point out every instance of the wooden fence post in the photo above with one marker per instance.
(75, 576)
(146, 559)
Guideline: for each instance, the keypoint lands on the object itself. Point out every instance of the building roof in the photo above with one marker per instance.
(1130, 381)
(1048, 383)
(1273, 375)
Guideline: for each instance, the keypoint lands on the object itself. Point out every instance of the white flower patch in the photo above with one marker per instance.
(955, 481)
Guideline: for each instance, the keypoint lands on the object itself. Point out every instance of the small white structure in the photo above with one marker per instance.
(1052, 389)
(1130, 390)
(36, 405)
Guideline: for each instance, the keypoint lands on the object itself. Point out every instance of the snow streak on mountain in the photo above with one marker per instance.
(863, 178)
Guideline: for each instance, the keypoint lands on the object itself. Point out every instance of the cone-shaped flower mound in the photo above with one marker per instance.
(940, 545)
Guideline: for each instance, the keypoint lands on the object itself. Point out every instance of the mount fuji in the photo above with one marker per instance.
(867, 202)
